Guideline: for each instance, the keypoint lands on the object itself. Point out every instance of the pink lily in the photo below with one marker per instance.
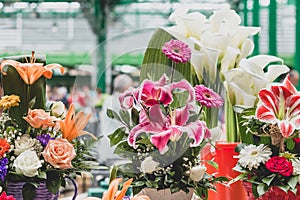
(164, 128)
(280, 104)
(151, 93)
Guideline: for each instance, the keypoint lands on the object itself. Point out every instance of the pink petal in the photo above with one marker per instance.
(184, 84)
(161, 140)
(157, 116)
(195, 130)
(162, 81)
(288, 84)
(165, 97)
(286, 128)
(141, 128)
(182, 116)
(126, 99)
(264, 114)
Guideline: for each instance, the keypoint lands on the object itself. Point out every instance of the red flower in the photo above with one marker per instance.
(4, 147)
(280, 165)
(4, 197)
(177, 51)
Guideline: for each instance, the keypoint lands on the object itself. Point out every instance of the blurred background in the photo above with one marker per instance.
(96, 40)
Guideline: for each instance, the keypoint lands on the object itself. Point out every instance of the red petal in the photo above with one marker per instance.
(264, 114)
(268, 99)
(286, 128)
(288, 84)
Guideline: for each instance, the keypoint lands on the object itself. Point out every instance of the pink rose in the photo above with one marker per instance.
(38, 118)
(59, 153)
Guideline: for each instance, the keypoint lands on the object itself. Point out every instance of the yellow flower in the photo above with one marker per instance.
(9, 101)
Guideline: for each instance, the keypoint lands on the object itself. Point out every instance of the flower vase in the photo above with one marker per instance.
(223, 156)
(274, 193)
(166, 194)
(42, 193)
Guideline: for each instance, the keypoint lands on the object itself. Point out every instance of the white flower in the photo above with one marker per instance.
(0, 189)
(25, 143)
(58, 109)
(197, 172)
(296, 166)
(252, 156)
(149, 165)
(27, 163)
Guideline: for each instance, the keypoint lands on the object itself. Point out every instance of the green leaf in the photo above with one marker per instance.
(212, 163)
(42, 175)
(135, 116)
(113, 173)
(53, 182)
(32, 103)
(290, 144)
(28, 191)
(262, 189)
(117, 136)
(113, 115)
(139, 183)
(285, 188)
(125, 116)
(269, 179)
(293, 181)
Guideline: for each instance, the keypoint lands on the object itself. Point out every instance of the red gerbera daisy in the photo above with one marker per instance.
(4, 147)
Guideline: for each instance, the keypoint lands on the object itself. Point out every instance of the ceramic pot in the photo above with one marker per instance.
(165, 194)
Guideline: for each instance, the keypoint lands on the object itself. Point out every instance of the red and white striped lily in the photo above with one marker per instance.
(280, 104)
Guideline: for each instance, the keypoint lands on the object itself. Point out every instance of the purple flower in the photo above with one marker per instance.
(177, 51)
(207, 97)
(44, 139)
(3, 168)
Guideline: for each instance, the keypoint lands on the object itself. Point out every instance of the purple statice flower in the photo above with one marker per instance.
(126, 198)
(44, 139)
(177, 51)
(3, 168)
(207, 97)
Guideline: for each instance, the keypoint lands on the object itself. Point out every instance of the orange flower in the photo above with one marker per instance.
(59, 153)
(72, 126)
(113, 194)
(9, 101)
(38, 118)
(4, 147)
(31, 72)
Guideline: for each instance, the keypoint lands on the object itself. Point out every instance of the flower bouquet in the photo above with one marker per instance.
(39, 147)
(271, 163)
(164, 130)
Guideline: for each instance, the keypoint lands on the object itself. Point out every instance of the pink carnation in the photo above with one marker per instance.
(208, 97)
(177, 51)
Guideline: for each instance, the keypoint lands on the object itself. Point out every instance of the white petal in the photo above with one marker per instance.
(230, 17)
(228, 61)
(264, 60)
(179, 12)
(276, 70)
(246, 49)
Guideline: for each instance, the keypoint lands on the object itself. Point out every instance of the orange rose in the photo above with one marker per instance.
(59, 153)
(38, 118)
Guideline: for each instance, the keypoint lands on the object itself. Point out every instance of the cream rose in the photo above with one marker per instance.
(197, 173)
(149, 165)
(59, 153)
(25, 143)
(27, 163)
(58, 109)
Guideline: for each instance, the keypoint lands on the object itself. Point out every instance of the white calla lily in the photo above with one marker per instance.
(224, 21)
(245, 50)
(229, 59)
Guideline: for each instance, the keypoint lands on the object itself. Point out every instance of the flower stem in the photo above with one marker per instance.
(172, 72)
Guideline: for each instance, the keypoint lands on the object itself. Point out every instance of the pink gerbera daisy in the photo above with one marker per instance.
(207, 97)
(177, 51)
